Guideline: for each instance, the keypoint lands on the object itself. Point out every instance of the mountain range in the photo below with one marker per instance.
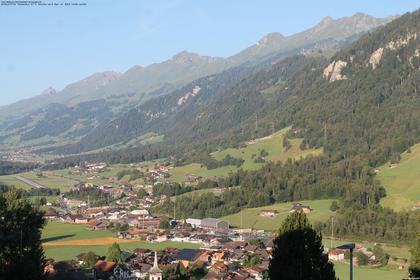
(86, 107)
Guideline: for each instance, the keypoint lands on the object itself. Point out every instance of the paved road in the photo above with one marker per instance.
(30, 182)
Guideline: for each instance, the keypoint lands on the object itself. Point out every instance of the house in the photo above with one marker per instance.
(213, 276)
(268, 213)
(141, 212)
(336, 255)
(140, 252)
(219, 268)
(187, 256)
(50, 213)
(96, 225)
(256, 272)
(141, 270)
(219, 257)
(300, 207)
(215, 225)
(103, 269)
(80, 219)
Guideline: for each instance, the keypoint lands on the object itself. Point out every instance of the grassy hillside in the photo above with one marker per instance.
(273, 144)
(402, 182)
(251, 219)
(179, 173)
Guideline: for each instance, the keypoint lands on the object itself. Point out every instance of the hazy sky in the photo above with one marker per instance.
(54, 46)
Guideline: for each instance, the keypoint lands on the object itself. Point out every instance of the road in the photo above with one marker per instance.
(30, 182)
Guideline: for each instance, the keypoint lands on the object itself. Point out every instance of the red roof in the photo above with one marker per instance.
(104, 265)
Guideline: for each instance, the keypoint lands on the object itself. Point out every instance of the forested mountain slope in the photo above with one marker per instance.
(345, 104)
(362, 106)
(108, 95)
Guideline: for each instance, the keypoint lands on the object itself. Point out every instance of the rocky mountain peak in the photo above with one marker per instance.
(49, 91)
(326, 21)
(270, 38)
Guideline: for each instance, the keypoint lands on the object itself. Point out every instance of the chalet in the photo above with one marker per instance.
(96, 225)
(141, 252)
(95, 212)
(300, 207)
(213, 276)
(219, 257)
(336, 255)
(50, 213)
(103, 269)
(268, 213)
(256, 272)
(219, 268)
(251, 248)
(141, 270)
(80, 219)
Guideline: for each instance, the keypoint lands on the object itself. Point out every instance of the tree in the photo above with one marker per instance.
(141, 193)
(415, 259)
(114, 253)
(164, 223)
(252, 260)
(362, 259)
(298, 252)
(334, 206)
(90, 259)
(380, 256)
(21, 253)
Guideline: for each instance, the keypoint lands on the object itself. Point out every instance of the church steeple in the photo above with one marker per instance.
(155, 273)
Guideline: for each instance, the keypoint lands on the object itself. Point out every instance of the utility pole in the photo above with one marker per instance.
(256, 122)
(241, 220)
(325, 133)
(174, 207)
(332, 231)
(242, 229)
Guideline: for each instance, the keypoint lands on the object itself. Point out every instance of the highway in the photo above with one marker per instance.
(30, 182)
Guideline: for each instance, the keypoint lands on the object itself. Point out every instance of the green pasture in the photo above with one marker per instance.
(70, 252)
(272, 144)
(251, 219)
(402, 182)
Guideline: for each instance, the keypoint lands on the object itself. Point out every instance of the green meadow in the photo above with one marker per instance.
(273, 144)
(252, 219)
(402, 182)
(368, 273)
(58, 231)
(70, 252)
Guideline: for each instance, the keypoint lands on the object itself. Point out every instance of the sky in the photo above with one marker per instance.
(43, 46)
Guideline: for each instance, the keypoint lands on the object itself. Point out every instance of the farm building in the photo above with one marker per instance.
(336, 255)
(268, 213)
(299, 206)
(215, 224)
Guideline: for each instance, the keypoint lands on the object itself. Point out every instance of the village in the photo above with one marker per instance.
(223, 253)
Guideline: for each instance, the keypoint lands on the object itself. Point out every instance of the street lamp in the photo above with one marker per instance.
(350, 247)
